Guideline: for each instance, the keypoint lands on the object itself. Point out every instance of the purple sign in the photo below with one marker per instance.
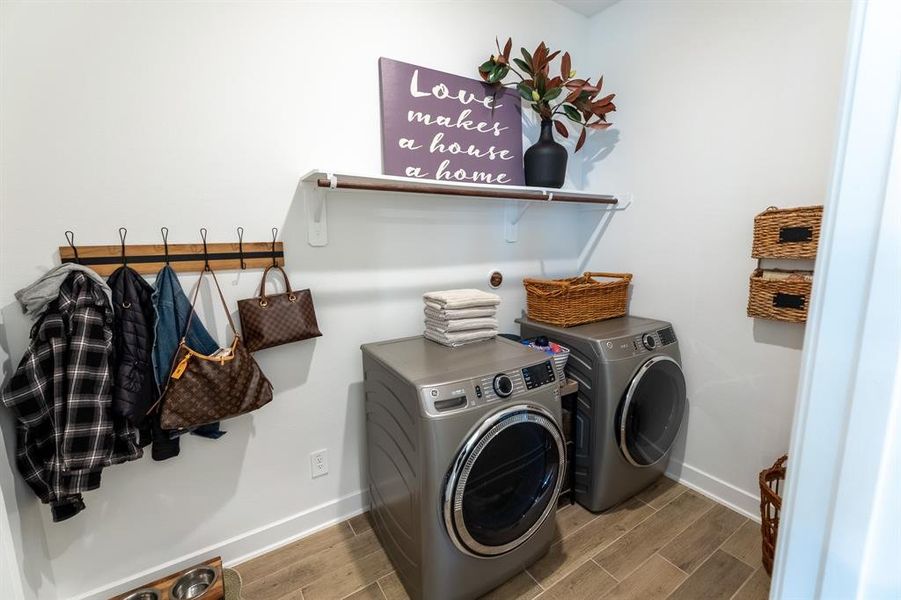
(441, 126)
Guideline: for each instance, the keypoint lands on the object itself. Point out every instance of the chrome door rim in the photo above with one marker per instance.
(472, 449)
(624, 448)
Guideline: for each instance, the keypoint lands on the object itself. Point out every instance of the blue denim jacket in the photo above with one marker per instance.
(172, 309)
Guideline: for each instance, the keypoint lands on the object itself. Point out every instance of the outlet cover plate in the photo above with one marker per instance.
(319, 463)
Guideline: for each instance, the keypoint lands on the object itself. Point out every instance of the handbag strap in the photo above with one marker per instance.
(221, 297)
(263, 282)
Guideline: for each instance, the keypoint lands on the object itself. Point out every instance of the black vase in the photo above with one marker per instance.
(545, 161)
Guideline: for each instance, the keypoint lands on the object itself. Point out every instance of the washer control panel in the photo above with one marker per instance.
(502, 385)
(496, 387)
(539, 375)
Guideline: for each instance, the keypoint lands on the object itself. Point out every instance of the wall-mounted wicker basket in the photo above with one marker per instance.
(780, 295)
(577, 300)
(787, 232)
(770, 506)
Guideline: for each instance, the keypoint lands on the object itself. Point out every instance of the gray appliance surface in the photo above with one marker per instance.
(422, 361)
(605, 358)
(424, 402)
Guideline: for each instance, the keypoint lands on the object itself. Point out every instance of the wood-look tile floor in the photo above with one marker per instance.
(667, 542)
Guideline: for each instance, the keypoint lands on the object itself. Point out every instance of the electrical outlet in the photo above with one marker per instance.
(319, 463)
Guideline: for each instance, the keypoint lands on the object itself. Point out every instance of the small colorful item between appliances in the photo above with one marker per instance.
(278, 319)
(208, 388)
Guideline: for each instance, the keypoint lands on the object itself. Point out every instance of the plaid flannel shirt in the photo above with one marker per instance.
(61, 396)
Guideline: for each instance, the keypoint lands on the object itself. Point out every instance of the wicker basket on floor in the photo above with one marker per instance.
(787, 232)
(577, 300)
(770, 505)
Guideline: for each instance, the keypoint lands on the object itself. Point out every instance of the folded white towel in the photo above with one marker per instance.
(443, 326)
(459, 338)
(779, 275)
(434, 311)
(462, 298)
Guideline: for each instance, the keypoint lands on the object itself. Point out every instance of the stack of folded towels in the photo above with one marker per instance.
(457, 317)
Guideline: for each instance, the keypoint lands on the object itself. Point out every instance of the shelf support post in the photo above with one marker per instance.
(317, 212)
(513, 212)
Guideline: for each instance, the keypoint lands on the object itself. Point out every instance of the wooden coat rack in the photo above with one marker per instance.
(148, 259)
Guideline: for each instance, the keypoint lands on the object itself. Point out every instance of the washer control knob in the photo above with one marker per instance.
(503, 385)
(649, 342)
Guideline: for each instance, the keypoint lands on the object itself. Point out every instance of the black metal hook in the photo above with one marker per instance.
(165, 233)
(70, 237)
(206, 258)
(241, 246)
(122, 233)
(274, 235)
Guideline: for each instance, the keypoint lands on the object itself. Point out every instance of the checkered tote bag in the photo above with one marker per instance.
(278, 319)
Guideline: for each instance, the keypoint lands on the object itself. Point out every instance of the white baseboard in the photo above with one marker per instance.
(725, 493)
(248, 544)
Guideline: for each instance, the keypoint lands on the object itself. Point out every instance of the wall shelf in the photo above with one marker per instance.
(316, 184)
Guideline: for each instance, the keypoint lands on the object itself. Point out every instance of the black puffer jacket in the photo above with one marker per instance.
(134, 385)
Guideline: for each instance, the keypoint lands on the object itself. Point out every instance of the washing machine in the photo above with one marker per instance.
(630, 404)
(465, 461)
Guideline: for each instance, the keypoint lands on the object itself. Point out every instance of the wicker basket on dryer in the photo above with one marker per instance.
(771, 480)
(577, 300)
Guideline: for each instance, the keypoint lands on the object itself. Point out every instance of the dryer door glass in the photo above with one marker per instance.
(508, 482)
(650, 414)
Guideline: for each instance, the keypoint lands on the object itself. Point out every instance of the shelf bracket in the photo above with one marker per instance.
(317, 212)
(625, 201)
(513, 212)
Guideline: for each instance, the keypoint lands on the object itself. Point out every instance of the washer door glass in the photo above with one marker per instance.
(508, 481)
(650, 414)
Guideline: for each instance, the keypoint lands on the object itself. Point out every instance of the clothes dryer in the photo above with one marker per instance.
(630, 404)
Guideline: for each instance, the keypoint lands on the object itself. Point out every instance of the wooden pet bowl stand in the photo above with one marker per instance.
(164, 585)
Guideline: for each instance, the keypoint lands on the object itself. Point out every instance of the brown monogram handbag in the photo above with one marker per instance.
(204, 389)
(279, 319)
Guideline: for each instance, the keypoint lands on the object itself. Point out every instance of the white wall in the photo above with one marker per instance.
(725, 108)
(10, 575)
(145, 114)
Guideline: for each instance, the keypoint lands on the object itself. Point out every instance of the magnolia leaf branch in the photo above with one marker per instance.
(580, 106)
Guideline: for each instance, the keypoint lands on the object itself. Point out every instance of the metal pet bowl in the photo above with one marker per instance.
(148, 594)
(194, 583)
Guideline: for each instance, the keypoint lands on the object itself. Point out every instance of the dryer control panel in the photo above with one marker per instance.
(639, 344)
